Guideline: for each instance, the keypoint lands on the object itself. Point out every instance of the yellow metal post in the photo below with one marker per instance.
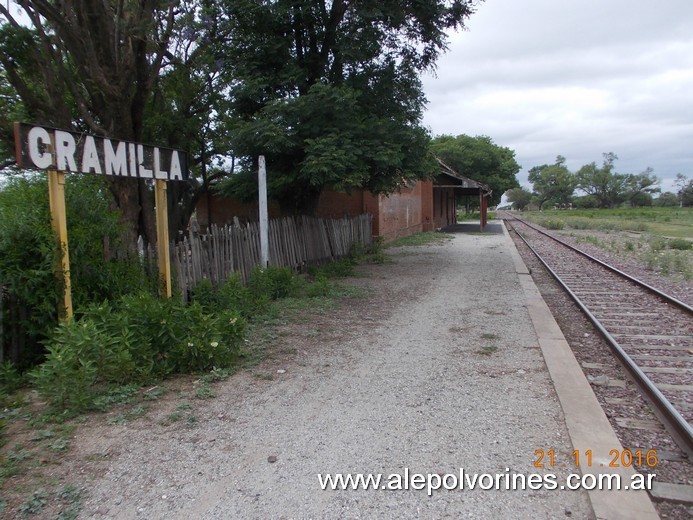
(162, 237)
(56, 196)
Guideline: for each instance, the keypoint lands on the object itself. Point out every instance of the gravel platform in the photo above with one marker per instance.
(449, 376)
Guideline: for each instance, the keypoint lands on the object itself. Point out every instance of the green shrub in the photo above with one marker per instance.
(607, 225)
(374, 252)
(265, 285)
(680, 244)
(140, 338)
(29, 252)
(629, 225)
(231, 295)
(282, 282)
(657, 244)
(321, 287)
(206, 294)
(65, 380)
(213, 341)
(342, 268)
(553, 223)
(586, 202)
(10, 379)
(579, 223)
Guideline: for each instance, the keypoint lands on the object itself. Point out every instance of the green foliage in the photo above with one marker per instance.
(680, 244)
(10, 378)
(669, 262)
(519, 197)
(685, 190)
(607, 187)
(34, 504)
(553, 182)
(11, 110)
(344, 113)
(667, 199)
(585, 202)
(271, 282)
(666, 222)
(27, 265)
(141, 338)
(373, 253)
(604, 188)
(264, 286)
(552, 223)
(342, 268)
(640, 188)
(581, 223)
(65, 380)
(479, 158)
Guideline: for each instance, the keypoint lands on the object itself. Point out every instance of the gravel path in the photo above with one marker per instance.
(429, 373)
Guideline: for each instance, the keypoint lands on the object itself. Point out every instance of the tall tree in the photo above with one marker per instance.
(11, 109)
(91, 66)
(607, 187)
(667, 199)
(685, 190)
(519, 197)
(187, 107)
(640, 187)
(479, 158)
(329, 92)
(553, 182)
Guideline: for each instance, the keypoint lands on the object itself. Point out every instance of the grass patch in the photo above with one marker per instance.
(660, 239)
(664, 222)
(463, 216)
(424, 238)
(680, 244)
(487, 351)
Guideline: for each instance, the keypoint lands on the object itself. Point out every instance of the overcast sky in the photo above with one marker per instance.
(573, 78)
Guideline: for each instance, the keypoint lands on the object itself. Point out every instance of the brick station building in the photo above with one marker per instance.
(421, 206)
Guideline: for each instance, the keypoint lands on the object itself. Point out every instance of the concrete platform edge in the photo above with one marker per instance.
(588, 426)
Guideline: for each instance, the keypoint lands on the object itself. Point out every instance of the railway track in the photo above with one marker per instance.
(649, 332)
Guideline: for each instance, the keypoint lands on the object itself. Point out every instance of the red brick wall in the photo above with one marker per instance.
(444, 207)
(334, 204)
(221, 210)
(427, 205)
(401, 213)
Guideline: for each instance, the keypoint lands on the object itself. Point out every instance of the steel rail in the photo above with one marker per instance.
(666, 297)
(675, 424)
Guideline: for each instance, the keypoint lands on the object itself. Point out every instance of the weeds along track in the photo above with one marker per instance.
(649, 332)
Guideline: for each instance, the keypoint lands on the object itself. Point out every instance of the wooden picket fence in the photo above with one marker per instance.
(294, 242)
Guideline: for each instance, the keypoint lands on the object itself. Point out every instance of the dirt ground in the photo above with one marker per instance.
(434, 369)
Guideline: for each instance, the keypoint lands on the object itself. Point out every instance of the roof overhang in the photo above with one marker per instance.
(449, 178)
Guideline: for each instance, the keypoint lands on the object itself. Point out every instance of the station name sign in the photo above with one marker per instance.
(43, 148)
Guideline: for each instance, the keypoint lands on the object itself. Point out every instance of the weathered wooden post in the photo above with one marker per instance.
(262, 206)
(56, 196)
(163, 253)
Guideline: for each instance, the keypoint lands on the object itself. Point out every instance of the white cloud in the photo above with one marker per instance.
(573, 78)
